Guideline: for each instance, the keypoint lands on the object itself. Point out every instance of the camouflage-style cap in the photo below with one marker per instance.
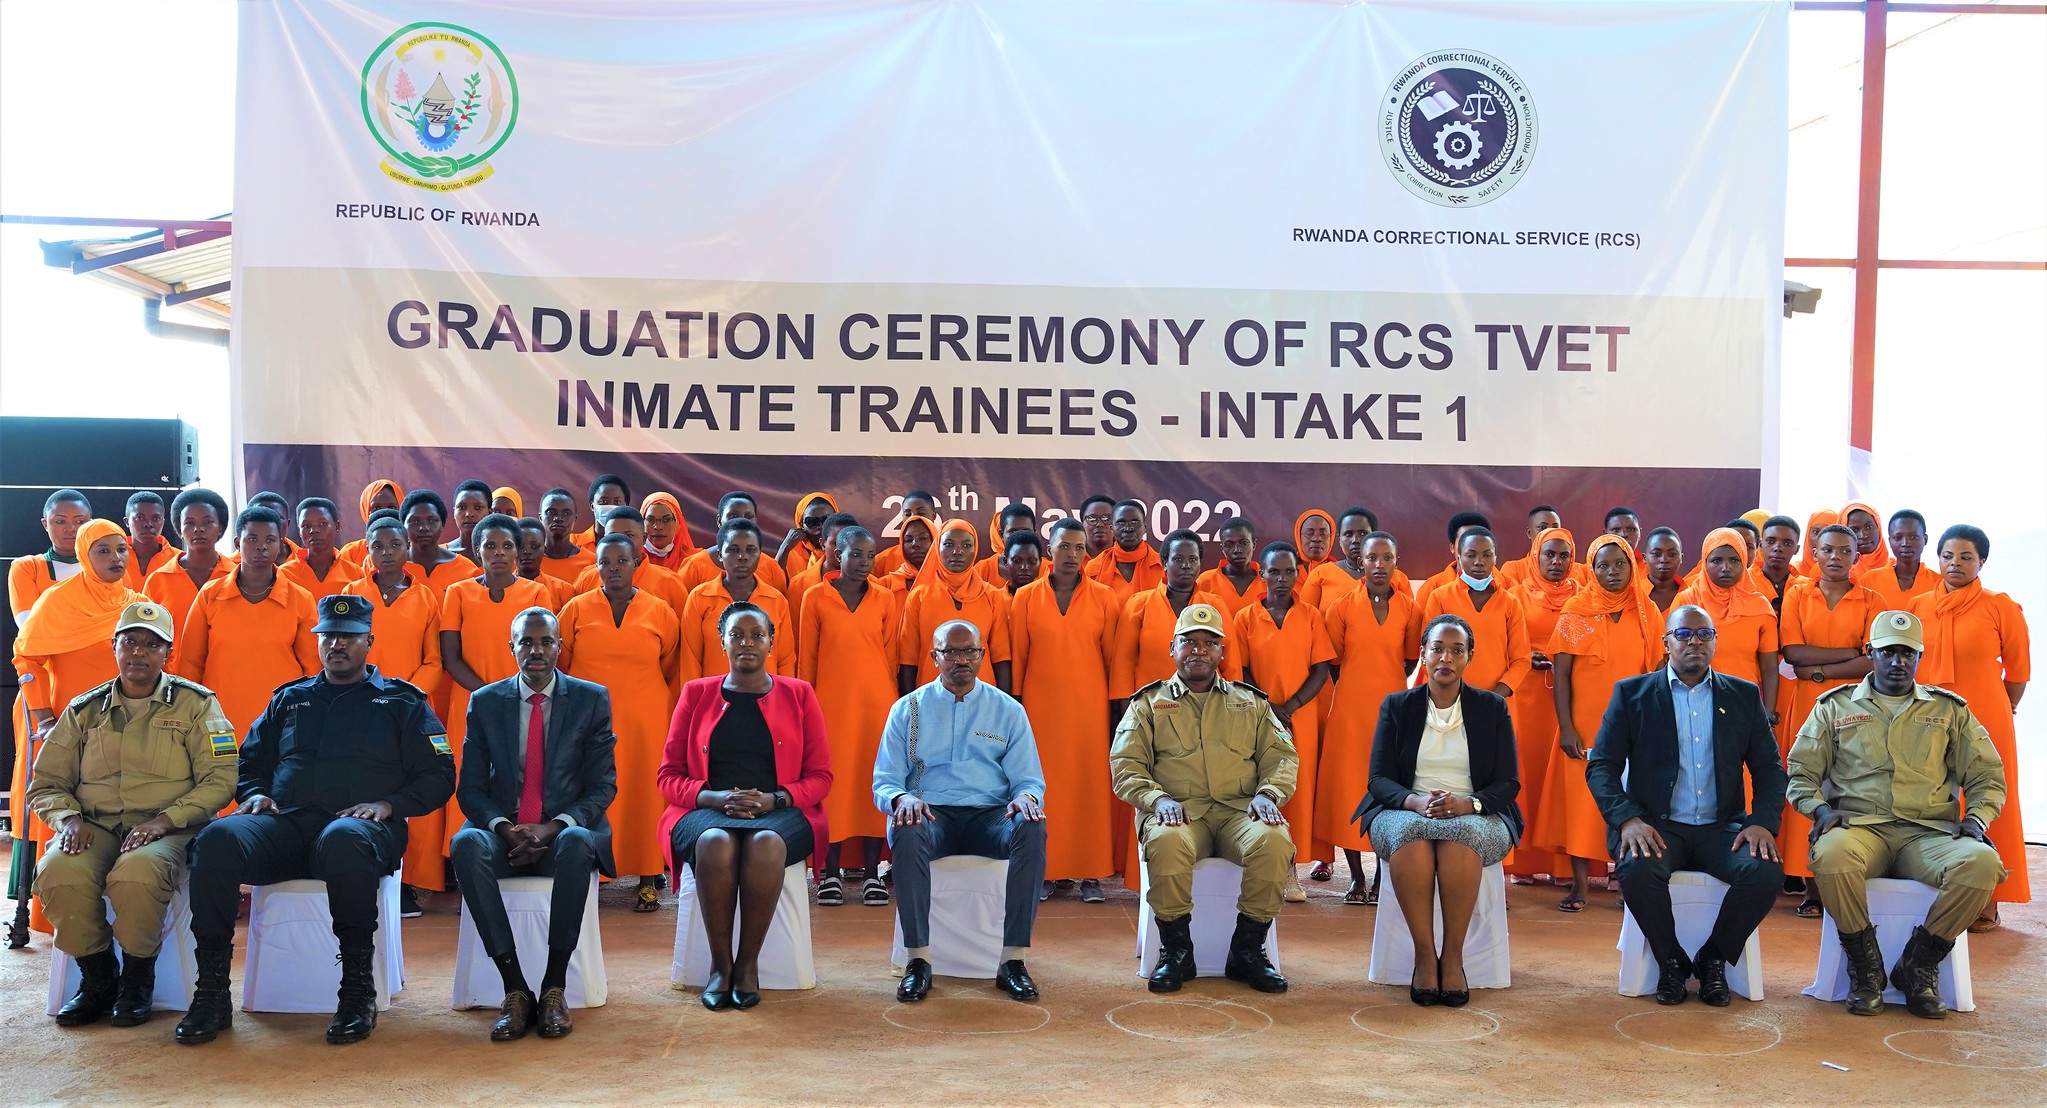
(149, 616)
(1201, 617)
(1897, 629)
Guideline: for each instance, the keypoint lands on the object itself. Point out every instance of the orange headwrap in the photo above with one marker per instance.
(910, 574)
(803, 503)
(1550, 595)
(1875, 559)
(1739, 599)
(1308, 563)
(965, 585)
(80, 610)
(1807, 565)
(684, 545)
(511, 494)
(1582, 627)
(1758, 516)
(370, 491)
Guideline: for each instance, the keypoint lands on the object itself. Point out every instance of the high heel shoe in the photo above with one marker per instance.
(1452, 998)
(717, 994)
(743, 1000)
(1427, 998)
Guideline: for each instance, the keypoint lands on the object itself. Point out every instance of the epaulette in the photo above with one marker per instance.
(407, 686)
(1949, 693)
(1836, 691)
(1255, 690)
(177, 681)
(1155, 684)
(97, 692)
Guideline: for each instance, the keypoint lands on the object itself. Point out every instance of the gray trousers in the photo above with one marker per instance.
(984, 832)
(480, 863)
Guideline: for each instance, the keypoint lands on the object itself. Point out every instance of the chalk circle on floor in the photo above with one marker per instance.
(1408, 1023)
(1703, 1031)
(967, 1015)
(1189, 1020)
(1975, 1050)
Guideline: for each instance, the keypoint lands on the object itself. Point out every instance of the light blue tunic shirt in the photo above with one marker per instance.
(975, 752)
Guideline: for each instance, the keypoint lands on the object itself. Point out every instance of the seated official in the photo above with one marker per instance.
(958, 773)
(537, 775)
(1899, 780)
(163, 759)
(1209, 764)
(329, 774)
(745, 774)
(1679, 737)
(1444, 777)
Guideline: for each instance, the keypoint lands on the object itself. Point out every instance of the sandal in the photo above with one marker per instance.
(649, 900)
(830, 892)
(1572, 903)
(1319, 872)
(1356, 894)
(1810, 909)
(874, 894)
(1987, 922)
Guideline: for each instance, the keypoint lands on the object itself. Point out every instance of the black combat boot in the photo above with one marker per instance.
(1247, 962)
(1917, 974)
(355, 1014)
(138, 988)
(98, 982)
(212, 1009)
(1176, 955)
(1865, 971)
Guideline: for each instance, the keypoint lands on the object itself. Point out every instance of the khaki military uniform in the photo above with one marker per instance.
(1212, 752)
(119, 768)
(1902, 781)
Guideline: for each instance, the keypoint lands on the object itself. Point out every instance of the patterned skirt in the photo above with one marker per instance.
(1486, 835)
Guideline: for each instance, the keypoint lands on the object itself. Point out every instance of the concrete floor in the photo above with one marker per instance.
(1559, 1034)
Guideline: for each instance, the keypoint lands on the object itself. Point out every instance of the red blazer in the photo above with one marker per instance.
(803, 759)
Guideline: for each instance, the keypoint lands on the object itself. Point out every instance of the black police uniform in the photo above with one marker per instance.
(317, 749)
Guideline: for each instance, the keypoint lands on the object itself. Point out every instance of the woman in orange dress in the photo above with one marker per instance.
(703, 566)
(318, 567)
(1376, 632)
(252, 630)
(1662, 560)
(1824, 628)
(1744, 622)
(201, 517)
(739, 554)
(804, 544)
(1500, 653)
(1862, 521)
(532, 541)
(1518, 572)
(505, 500)
(847, 651)
(1287, 655)
(1808, 565)
(380, 494)
(476, 649)
(1908, 575)
(626, 639)
(147, 550)
(1327, 583)
(470, 504)
(1978, 647)
(1130, 566)
(562, 557)
(425, 516)
(1315, 538)
(916, 504)
(668, 539)
(1237, 578)
(1605, 634)
(946, 589)
(911, 551)
(1542, 595)
(1062, 631)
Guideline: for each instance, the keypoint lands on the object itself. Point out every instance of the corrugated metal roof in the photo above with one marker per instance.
(158, 270)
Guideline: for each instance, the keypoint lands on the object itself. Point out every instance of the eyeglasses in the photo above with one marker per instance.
(1095, 519)
(961, 654)
(1684, 635)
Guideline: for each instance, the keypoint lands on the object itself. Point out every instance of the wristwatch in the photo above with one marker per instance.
(1817, 675)
(1477, 806)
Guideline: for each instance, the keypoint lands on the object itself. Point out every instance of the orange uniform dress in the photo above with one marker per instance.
(1144, 642)
(849, 656)
(569, 568)
(406, 633)
(1534, 704)
(1330, 582)
(1808, 621)
(1213, 581)
(339, 576)
(635, 659)
(138, 571)
(703, 651)
(485, 627)
(357, 551)
(927, 606)
(1148, 573)
(1059, 664)
(447, 573)
(1500, 654)
(1373, 658)
(1976, 640)
(648, 578)
(172, 587)
(1278, 659)
(559, 592)
(1884, 583)
(699, 568)
(244, 651)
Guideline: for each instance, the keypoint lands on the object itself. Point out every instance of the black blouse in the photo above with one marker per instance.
(742, 753)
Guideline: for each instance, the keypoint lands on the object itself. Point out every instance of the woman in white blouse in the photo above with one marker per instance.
(1441, 807)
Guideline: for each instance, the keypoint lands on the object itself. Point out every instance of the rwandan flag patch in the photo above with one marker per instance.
(223, 743)
(440, 742)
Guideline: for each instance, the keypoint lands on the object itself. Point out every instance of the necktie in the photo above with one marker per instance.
(536, 763)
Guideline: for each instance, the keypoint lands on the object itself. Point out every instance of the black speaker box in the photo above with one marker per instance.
(88, 454)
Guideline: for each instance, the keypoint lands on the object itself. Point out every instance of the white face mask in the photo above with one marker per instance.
(1476, 584)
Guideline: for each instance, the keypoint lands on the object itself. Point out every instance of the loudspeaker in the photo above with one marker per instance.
(88, 454)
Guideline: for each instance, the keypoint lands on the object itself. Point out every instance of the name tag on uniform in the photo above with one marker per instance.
(172, 724)
(1934, 721)
(440, 742)
(1166, 706)
(1845, 720)
(1242, 705)
(223, 743)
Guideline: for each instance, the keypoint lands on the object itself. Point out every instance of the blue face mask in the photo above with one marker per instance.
(1476, 584)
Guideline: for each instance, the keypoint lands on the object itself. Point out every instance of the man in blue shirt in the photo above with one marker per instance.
(1666, 771)
(958, 773)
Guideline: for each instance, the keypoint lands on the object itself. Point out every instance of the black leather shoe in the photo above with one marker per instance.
(1247, 961)
(515, 1017)
(1176, 955)
(138, 991)
(1015, 980)
(551, 1013)
(1917, 974)
(1671, 975)
(1865, 971)
(1427, 998)
(355, 1008)
(916, 982)
(99, 985)
(1451, 998)
(717, 994)
(1712, 974)
(212, 1009)
(743, 999)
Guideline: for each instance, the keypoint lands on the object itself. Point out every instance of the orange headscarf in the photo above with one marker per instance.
(1308, 563)
(1807, 565)
(965, 585)
(1550, 595)
(1739, 599)
(684, 545)
(910, 574)
(370, 491)
(511, 494)
(1582, 627)
(1875, 559)
(81, 609)
(1758, 516)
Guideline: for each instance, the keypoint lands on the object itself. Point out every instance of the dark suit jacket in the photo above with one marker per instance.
(1639, 736)
(1488, 732)
(581, 775)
